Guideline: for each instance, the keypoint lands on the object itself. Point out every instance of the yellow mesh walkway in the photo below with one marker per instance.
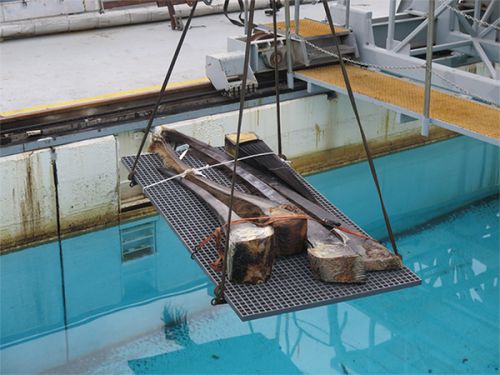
(445, 108)
(309, 28)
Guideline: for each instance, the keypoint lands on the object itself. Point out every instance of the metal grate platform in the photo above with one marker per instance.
(291, 286)
(448, 111)
(309, 28)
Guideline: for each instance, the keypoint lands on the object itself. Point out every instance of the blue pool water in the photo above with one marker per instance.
(153, 315)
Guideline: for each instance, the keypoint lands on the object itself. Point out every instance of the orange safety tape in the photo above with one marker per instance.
(354, 233)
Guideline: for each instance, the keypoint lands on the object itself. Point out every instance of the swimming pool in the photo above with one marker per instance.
(149, 311)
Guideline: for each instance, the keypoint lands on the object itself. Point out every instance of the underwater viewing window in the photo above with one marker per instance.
(137, 241)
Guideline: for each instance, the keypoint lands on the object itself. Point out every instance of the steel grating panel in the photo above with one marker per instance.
(450, 111)
(291, 286)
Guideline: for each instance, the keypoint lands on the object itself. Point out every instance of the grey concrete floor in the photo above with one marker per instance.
(54, 68)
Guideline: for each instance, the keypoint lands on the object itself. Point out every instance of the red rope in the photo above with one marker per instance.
(217, 233)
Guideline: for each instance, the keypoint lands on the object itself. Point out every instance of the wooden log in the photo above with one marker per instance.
(250, 255)
(336, 264)
(318, 236)
(251, 145)
(376, 257)
(269, 188)
(331, 259)
(290, 229)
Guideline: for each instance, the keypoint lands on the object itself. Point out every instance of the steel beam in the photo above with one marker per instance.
(484, 57)
(390, 26)
(83, 134)
(475, 85)
(428, 70)
(420, 27)
(288, 45)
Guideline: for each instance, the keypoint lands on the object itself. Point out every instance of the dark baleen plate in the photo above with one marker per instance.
(291, 287)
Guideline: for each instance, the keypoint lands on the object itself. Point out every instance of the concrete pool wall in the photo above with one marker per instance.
(319, 132)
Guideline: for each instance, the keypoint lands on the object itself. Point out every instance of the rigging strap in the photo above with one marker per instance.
(131, 175)
(360, 126)
(241, 21)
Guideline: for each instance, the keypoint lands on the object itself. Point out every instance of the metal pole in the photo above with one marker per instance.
(245, 15)
(277, 77)
(297, 16)
(288, 45)
(477, 14)
(428, 69)
(347, 12)
(390, 27)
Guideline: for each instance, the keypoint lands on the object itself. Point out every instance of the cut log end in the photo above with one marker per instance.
(376, 257)
(290, 235)
(250, 255)
(336, 264)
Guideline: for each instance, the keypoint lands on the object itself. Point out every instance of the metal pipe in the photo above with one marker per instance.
(288, 45)
(297, 16)
(390, 27)
(477, 14)
(245, 15)
(347, 12)
(428, 69)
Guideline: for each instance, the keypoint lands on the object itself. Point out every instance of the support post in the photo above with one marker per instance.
(428, 68)
(288, 45)
(390, 28)
(477, 15)
(297, 16)
(347, 13)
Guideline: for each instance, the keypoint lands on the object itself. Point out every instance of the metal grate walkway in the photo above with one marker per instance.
(309, 28)
(291, 286)
(447, 110)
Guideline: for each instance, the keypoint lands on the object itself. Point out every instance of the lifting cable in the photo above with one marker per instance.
(219, 290)
(131, 175)
(363, 136)
(277, 61)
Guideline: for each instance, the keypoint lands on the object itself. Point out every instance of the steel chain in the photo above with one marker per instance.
(402, 67)
(473, 19)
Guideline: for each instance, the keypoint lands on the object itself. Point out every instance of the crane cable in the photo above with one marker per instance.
(277, 61)
(219, 290)
(131, 175)
(360, 126)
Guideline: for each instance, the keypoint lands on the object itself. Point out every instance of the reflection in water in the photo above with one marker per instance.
(447, 325)
(153, 308)
(176, 325)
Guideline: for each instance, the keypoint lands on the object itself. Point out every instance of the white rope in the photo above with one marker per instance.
(198, 170)
(473, 19)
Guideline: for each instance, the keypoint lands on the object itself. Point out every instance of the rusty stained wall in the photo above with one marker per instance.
(27, 198)
(88, 192)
